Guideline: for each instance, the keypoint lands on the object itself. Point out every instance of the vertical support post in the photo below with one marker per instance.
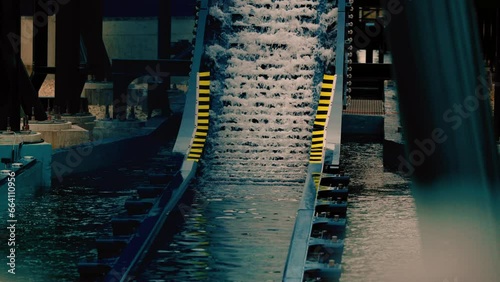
(40, 43)
(120, 83)
(381, 44)
(68, 77)
(91, 19)
(164, 29)
(381, 54)
(369, 54)
(164, 36)
(10, 48)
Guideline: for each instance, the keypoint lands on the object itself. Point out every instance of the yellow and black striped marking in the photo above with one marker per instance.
(202, 114)
(316, 178)
(318, 138)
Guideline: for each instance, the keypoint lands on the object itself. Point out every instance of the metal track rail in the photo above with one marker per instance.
(193, 125)
(319, 228)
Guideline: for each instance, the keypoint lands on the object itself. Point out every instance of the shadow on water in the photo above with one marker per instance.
(382, 242)
(242, 233)
(57, 227)
(231, 233)
(219, 233)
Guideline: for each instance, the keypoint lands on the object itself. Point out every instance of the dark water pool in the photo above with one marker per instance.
(57, 227)
(228, 233)
(242, 233)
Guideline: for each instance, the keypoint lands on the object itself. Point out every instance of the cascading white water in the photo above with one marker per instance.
(269, 59)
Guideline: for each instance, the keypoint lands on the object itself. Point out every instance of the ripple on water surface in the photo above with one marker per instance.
(382, 242)
(231, 233)
(57, 227)
(242, 233)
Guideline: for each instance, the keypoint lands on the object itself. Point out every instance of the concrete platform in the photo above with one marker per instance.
(61, 134)
(101, 93)
(98, 93)
(86, 121)
(102, 152)
(365, 107)
(28, 179)
(11, 138)
(30, 146)
(363, 120)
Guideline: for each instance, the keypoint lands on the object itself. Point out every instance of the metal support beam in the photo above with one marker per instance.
(91, 18)
(164, 29)
(69, 81)
(369, 55)
(10, 27)
(165, 33)
(40, 45)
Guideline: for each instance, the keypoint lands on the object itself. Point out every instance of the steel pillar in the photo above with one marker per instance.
(369, 55)
(164, 29)
(91, 18)
(165, 35)
(10, 27)
(40, 45)
(69, 81)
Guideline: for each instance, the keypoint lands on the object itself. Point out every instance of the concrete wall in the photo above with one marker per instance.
(182, 28)
(125, 38)
(43, 154)
(131, 39)
(27, 41)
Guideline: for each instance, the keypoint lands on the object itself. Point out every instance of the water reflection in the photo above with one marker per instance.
(231, 233)
(57, 227)
(242, 233)
(382, 241)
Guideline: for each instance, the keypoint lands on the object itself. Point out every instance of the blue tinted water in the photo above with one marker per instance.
(229, 233)
(242, 233)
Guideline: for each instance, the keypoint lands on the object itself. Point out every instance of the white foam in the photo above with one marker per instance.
(270, 58)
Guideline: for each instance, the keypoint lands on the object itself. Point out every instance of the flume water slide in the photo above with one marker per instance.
(261, 33)
(268, 81)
